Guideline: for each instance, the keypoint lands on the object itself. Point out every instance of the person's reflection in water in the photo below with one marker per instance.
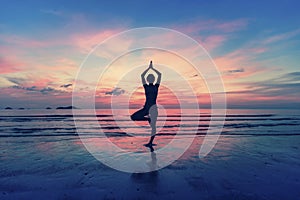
(148, 177)
(153, 163)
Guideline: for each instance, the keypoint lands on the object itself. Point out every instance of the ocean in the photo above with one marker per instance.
(42, 156)
(47, 123)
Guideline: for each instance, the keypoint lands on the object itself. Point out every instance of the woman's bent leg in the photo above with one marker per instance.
(140, 115)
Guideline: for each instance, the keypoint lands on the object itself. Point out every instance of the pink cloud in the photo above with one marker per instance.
(85, 42)
(232, 26)
(82, 40)
(280, 37)
(241, 56)
(9, 66)
(211, 25)
(236, 62)
(219, 29)
(214, 41)
(22, 41)
(53, 57)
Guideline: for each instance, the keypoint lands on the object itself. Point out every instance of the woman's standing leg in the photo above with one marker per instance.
(153, 118)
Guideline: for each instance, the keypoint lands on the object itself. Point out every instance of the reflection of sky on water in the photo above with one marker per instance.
(59, 124)
(143, 157)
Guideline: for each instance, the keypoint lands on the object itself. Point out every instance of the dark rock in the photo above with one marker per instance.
(66, 107)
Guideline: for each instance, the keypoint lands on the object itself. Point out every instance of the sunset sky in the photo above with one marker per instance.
(255, 45)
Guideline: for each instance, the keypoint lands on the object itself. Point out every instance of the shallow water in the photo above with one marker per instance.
(43, 157)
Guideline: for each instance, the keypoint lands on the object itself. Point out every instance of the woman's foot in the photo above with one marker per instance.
(148, 145)
(148, 119)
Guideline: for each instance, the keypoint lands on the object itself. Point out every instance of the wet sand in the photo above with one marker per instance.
(239, 167)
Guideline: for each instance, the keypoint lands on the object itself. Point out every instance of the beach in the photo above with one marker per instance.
(149, 100)
(260, 161)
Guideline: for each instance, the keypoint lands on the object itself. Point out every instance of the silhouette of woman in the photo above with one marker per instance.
(150, 107)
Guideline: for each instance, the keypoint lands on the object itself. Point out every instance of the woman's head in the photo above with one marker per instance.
(150, 78)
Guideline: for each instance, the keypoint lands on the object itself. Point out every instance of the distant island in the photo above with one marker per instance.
(66, 107)
(47, 108)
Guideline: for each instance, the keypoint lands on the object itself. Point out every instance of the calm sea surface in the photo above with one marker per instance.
(47, 123)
